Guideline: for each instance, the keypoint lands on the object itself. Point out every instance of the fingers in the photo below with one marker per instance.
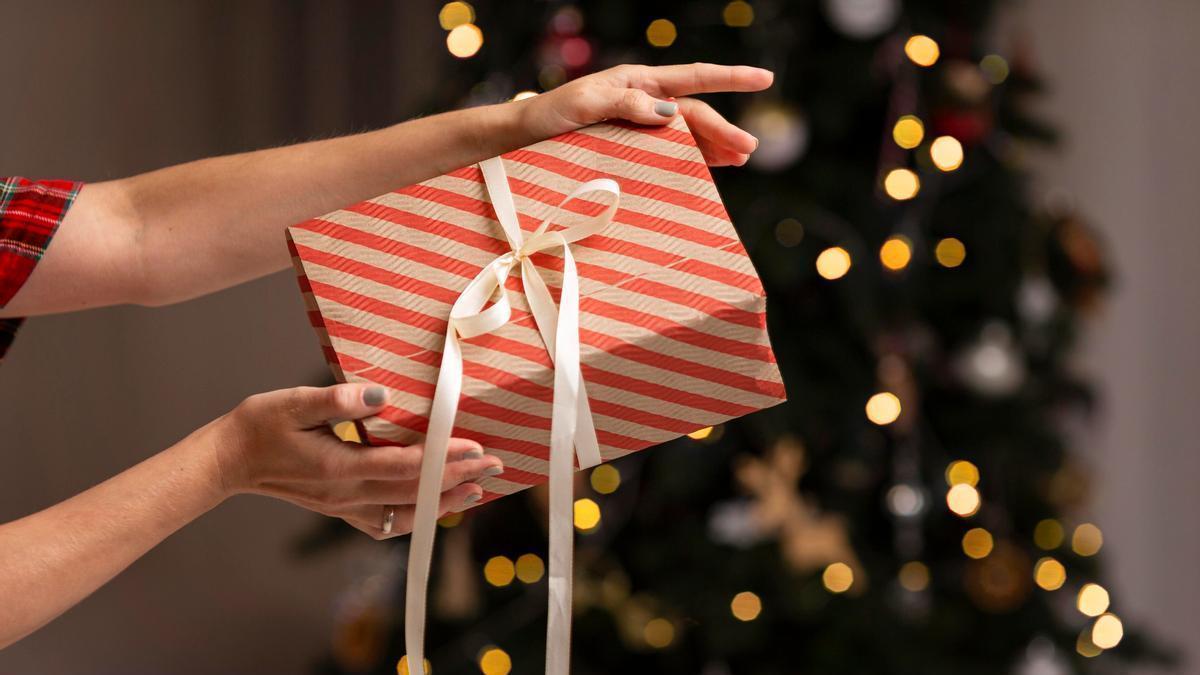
(712, 127)
(383, 491)
(636, 105)
(369, 517)
(393, 462)
(696, 78)
(312, 407)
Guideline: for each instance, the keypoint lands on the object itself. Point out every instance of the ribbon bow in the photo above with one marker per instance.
(571, 419)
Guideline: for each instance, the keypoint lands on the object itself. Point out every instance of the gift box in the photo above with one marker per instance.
(599, 291)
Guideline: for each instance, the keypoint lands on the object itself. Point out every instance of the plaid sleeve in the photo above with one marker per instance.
(30, 212)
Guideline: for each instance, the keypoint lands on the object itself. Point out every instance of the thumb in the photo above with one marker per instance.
(636, 105)
(316, 406)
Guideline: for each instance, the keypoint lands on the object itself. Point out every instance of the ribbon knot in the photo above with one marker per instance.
(571, 418)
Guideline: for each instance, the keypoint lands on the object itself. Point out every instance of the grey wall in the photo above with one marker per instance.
(100, 90)
(1125, 86)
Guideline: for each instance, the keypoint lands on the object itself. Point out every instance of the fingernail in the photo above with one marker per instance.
(374, 395)
(756, 143)
(666, 108)
(472, 498)
(493, 471)
(473, 454)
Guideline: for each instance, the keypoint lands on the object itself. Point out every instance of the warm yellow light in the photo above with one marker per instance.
(402, 666)
(961, 471)
(1049, 574)
(522, 95)
(833, 263)
(530, 568)
(1085, 646)
(658, 633)
(450, 520)
(1048, 534)
(883, 408)
(738, 14)
(1092, 600)
(660, 33)
(1107, 631)
(895, 253)
(347, 431)
(746, 606)
(908, 132)
(499, 571)
(1087, 540)
(455, 14)
(901, 184)
(701, 434)
(605, 479)
(977, 543)
(946, 152)
(495, 661)
(465, 40)
(994, 68)
(950, 252)
(838, 578)
(963, 500)
(587, 514)
(922, 50)
(914, 576)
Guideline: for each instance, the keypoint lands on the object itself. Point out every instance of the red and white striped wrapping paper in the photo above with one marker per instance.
(672, 314)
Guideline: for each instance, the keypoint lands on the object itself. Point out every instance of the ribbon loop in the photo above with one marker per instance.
(571, 422)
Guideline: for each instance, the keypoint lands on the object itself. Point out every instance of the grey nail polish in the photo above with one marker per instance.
(666, 108)
(374, 395)
(473, 454)
(493, 471)
(756, 143)
(472, 498)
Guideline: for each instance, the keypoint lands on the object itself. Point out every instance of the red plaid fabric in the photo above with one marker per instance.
(30, 212)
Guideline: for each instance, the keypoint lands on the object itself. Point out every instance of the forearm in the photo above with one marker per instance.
(217, 222)
(51, 560)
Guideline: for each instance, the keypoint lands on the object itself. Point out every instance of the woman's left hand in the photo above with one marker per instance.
(653, 95)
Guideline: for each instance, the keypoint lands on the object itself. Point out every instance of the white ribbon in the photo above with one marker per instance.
(571, 418)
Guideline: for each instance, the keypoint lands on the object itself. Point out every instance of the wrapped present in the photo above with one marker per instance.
(582, 298)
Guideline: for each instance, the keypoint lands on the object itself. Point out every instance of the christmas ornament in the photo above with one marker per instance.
(782, 132)
(862, 19)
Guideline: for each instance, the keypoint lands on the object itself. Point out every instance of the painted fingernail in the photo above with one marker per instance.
(374, 395)
(666, 108)
(755, 143)
(493, 471)
(472, 498)
(473, 454)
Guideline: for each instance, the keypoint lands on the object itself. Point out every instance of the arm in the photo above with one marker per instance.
(275, 444)
(192, 229)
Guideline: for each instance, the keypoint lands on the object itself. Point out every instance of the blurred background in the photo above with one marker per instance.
(974, 222)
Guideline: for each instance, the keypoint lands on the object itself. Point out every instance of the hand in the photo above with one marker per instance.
(279, 444)
(653, 95)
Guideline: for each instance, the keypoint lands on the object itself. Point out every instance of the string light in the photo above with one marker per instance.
(347, 431)
(977, 543)
(1087, 540)
(701, 434)
(455, 14)
(746, 606)
(994, 68)
(895, 253)
(530, 568)
(963, 500)
(605, 479)
(1107, 631)
(494, 661)
(587, 515)
(1049, 574)
(499, 571)
(922, 50)
(950, 252)
(1048, 534)
(833, 263)
(901, 184)
(402, 666)
(946, 153)
(465, 40)
(450, 520)
(1092, 600)
(883, 408)
(960, 471)
(661, 33)
(738, 14)
(838, 577)
(914, 576)
(658, 633)
(908, 132)
(1084, 645)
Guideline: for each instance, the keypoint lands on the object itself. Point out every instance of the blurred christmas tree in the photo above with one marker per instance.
(914, 507)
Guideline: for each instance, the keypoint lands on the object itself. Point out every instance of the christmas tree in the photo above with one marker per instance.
(915, 506)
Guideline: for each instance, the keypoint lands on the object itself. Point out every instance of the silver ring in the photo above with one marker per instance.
(389, 519)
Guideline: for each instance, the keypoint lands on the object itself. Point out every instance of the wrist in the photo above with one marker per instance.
(220, 450)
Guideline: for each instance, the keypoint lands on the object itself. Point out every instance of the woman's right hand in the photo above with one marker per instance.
(280, 444)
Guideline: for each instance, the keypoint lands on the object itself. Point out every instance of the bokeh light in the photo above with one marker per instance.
(1107, 631)
(738, 14)
(701, 434)
(1092, 600)
(499, 571)
(963, 500)
(587, 515)
(746, 606)
(908, 132)
(605, 479)
(658, 633)
(455, 14)
(922, 50)
(961, 471)
(977, 543)
(833, 263)
(402, 666)
(838, 577)
(1087, 540)
(883, 408)
(661, 33)
(1048, 534)
(895, 253)
(1084, 645)
(494, 661)
(901, 184)
(946, 153)
(914, 576)
(1049, 574)
(530, 568)
(994, 68)
(450, 520)
(465, 40)
(950, 252)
